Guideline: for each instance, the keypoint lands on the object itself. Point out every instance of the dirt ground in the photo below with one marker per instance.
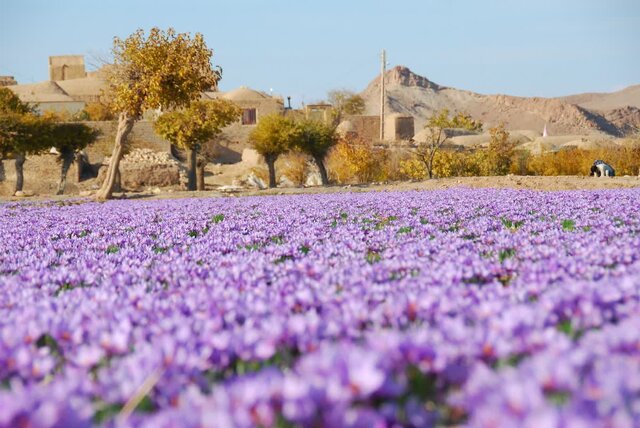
(515, 182)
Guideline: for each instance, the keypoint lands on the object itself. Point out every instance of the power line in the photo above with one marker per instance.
(382, 95)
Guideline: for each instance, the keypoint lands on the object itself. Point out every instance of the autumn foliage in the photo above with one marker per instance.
(355, 161)
(163, 70)
(274, 136)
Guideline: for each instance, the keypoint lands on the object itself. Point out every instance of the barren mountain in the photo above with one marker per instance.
(607, 101)
(411, 94)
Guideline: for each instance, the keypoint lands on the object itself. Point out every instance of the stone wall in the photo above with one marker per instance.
(147, 168)
(71, 107)
(227, 147)
(42, 172)
(142, 136)
(41, 176)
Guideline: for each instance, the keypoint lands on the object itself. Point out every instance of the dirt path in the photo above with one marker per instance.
(515, 182)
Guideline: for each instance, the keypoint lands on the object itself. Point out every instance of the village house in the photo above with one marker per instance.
(71, 87)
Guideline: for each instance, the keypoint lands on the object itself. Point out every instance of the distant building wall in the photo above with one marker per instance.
(398, 127)
(366, 127)
(318, 112)
(262, 107)
(229, 145)
(66, 67)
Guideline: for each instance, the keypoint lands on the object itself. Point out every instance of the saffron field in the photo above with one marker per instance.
(483, 308)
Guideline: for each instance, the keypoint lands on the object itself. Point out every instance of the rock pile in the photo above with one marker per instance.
(145, 168)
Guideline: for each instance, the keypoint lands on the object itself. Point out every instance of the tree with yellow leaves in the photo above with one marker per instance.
(273, 136)
(22, 132)
(437, 126)
(162, 71)
(501, 150)
(193, 126)
(316, 139)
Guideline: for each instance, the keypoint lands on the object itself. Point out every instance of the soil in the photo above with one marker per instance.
(514, 182)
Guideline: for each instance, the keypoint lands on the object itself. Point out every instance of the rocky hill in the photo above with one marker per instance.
(607, 101)
(409, 93)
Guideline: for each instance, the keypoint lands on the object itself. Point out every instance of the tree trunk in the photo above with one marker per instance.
(271, 163)
(67, 160)
(117, 185)
(430, 163)
(125, 124)
(323, 171)
(200, 176)
(79, 167)
(20, 160)
(3, 175)
(192, 155)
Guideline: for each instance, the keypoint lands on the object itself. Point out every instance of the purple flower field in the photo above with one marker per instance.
(484, 308)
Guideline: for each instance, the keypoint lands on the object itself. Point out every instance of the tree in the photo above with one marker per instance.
(345, 102)
(437, 126)
(354, 160)
(11, 103)
(273, 136)
(69, 138)
(11, 110)
(21, 132)
(501, 150)
(316, 139)
(22, 135)
(162, 71)
(99, 111)
(189, 128)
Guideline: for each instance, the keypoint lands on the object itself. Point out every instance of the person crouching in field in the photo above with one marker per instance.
(602, 169)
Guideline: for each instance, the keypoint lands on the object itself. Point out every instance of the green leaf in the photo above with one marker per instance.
(278, 239)
(566, 327)
(283, 258)
(511, 225)
(505, 254)
(559, 398)
(105, 412)
(111, 249)
(405, 229)
(372, 257)
(568, 225)
(160, 250)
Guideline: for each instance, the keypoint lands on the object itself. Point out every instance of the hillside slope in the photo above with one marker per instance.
(628, 97)
(411, 94)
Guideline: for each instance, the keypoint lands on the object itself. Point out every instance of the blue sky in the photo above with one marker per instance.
(304, 48)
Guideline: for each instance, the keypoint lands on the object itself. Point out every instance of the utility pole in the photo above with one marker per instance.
(382, 96)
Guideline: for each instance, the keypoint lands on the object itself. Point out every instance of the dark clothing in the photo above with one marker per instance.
(602, 169)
